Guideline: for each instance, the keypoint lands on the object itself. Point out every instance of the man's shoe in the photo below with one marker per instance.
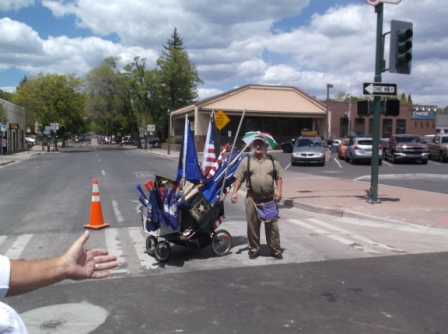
(253, 255)
(278, 256)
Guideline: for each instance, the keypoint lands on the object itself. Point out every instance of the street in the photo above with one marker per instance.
(338, 275)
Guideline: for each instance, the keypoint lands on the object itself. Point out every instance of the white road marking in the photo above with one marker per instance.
(289, 165)
(337, 161)
(435, 163)
(334, 237)
(146, 261)
(387, 163)
(114, 248)
(356, 236)
(18, 246)
(99, 160)
(2, 238)
(117, 212)
(103, 172)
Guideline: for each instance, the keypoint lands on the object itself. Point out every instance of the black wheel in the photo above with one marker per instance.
(380, 162)
(151, 242)
(441, 156)
(221, 242)
(162, 251)
(424, 162)
(392, 158)
(285, 149)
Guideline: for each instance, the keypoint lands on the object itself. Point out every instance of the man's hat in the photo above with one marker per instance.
(260, 138)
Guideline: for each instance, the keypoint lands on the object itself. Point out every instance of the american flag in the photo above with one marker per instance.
(211, 148)
(218, 161)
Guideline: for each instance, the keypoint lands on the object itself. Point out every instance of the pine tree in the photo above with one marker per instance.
(409, 99)
(175, 42)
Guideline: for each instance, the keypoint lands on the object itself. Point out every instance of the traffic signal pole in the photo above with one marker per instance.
(379, 65)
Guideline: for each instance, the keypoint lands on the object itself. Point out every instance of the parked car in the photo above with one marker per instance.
(360, 149)
(343, 147)
(127, 140)
(154, 142)
(406, 147)
(438, 148)
(288, 146)
(308, 150)
(335, 143)
(30, 140)
(383, 142)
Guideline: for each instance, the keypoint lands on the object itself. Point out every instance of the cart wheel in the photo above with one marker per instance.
(151, 242)
(162, 251)
(221, 242)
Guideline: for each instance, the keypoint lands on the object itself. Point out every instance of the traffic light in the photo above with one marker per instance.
(364, 108)
(391, 107)
(400, 54)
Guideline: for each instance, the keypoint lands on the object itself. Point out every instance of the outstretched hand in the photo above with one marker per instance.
(82, 264)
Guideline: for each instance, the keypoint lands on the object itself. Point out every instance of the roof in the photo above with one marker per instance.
(258, 100)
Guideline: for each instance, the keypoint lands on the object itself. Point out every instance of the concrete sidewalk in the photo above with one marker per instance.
(334, 196)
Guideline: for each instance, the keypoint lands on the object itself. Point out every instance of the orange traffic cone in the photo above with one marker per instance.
(96, 213)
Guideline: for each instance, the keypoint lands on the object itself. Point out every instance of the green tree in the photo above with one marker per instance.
(409, 99)
(52, 98)
(5, 95)
(111, 99)
(3, 114)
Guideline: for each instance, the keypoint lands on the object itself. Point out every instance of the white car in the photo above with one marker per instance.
(30, 140)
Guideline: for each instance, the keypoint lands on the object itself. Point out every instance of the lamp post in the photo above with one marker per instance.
(328, 116)
(169, 130)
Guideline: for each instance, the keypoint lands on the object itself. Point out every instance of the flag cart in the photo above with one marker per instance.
(188, 211)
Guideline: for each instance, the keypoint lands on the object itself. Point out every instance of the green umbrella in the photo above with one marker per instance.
(250, 136)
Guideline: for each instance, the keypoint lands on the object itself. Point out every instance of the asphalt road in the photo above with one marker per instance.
(339, 275)
(431, 177)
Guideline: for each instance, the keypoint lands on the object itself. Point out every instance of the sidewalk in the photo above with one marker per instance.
(334, 196)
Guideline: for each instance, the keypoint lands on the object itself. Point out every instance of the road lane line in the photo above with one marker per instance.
(336, 160)
(2, 238)
(117, 212)
(147, 262)
(356, 236)
(103, 172)
(18, 246)
(334, 237)
(113, 246)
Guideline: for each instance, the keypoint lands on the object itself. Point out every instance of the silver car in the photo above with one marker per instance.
(308, 150)
(360, 149)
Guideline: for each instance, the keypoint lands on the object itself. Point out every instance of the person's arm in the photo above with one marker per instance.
(75, 264)
(278, 192)
(236, 187)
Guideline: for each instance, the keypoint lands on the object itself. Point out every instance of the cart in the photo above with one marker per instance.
(191, 234)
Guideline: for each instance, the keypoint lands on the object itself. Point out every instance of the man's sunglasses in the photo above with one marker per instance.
(258, 143)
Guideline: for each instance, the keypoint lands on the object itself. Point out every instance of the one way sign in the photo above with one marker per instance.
(379, 88)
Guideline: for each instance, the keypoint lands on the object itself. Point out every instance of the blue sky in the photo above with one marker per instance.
(301, 43)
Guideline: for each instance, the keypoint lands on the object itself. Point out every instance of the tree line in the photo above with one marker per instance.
(110, 100)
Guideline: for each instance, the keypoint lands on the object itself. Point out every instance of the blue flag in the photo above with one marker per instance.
(192, 170)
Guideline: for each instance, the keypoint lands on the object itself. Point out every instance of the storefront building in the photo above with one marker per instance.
(282, 111)
(14, 126)
(413, 119)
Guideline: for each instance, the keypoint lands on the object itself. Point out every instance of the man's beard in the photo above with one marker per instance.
(252, 152)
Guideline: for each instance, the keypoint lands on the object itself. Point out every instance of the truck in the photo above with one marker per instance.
(438, 147)
(406, 147)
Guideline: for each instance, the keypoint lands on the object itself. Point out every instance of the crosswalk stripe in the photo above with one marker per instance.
(113, 246)
(18, 246)
(2, 238)
(334, 237)
(147, 262)
(356, 236)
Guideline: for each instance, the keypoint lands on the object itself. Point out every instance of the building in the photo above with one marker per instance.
(415, 119)
(442, 123)
(14, 127)
(280, 110)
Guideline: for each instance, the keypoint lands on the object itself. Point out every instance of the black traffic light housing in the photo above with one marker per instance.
(391, 107)
(400, 54)
(364, 108)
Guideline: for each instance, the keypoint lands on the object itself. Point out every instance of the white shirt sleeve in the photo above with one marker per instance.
(5, 273)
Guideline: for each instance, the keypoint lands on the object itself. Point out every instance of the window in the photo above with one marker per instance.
(400, 126)
(267, 125)
(359, 126)
(387, 128)
(343, 126)
(251, 124)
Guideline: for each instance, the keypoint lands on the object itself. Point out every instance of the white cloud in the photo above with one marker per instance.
(6, 5)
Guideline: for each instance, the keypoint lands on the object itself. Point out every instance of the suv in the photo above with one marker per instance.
(406, 147)
(288, 146)
(308, 150)
(360, 148)
(438, 147)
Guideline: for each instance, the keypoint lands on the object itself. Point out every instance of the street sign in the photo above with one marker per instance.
(2, 127)
(221, 119)
(377, 2)
(54, 126)
(47, 127)
(151, 127)
(379, 88)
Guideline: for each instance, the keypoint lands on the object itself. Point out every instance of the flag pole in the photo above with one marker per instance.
(231, 151)
(184, 158)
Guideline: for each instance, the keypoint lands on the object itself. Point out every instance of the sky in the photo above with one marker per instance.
(302, 43)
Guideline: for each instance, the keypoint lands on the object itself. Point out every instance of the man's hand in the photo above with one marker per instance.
(234, 198)
(81, 264)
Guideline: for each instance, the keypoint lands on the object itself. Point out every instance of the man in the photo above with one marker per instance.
(5, 145)
(265, 187)
(17, 277)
